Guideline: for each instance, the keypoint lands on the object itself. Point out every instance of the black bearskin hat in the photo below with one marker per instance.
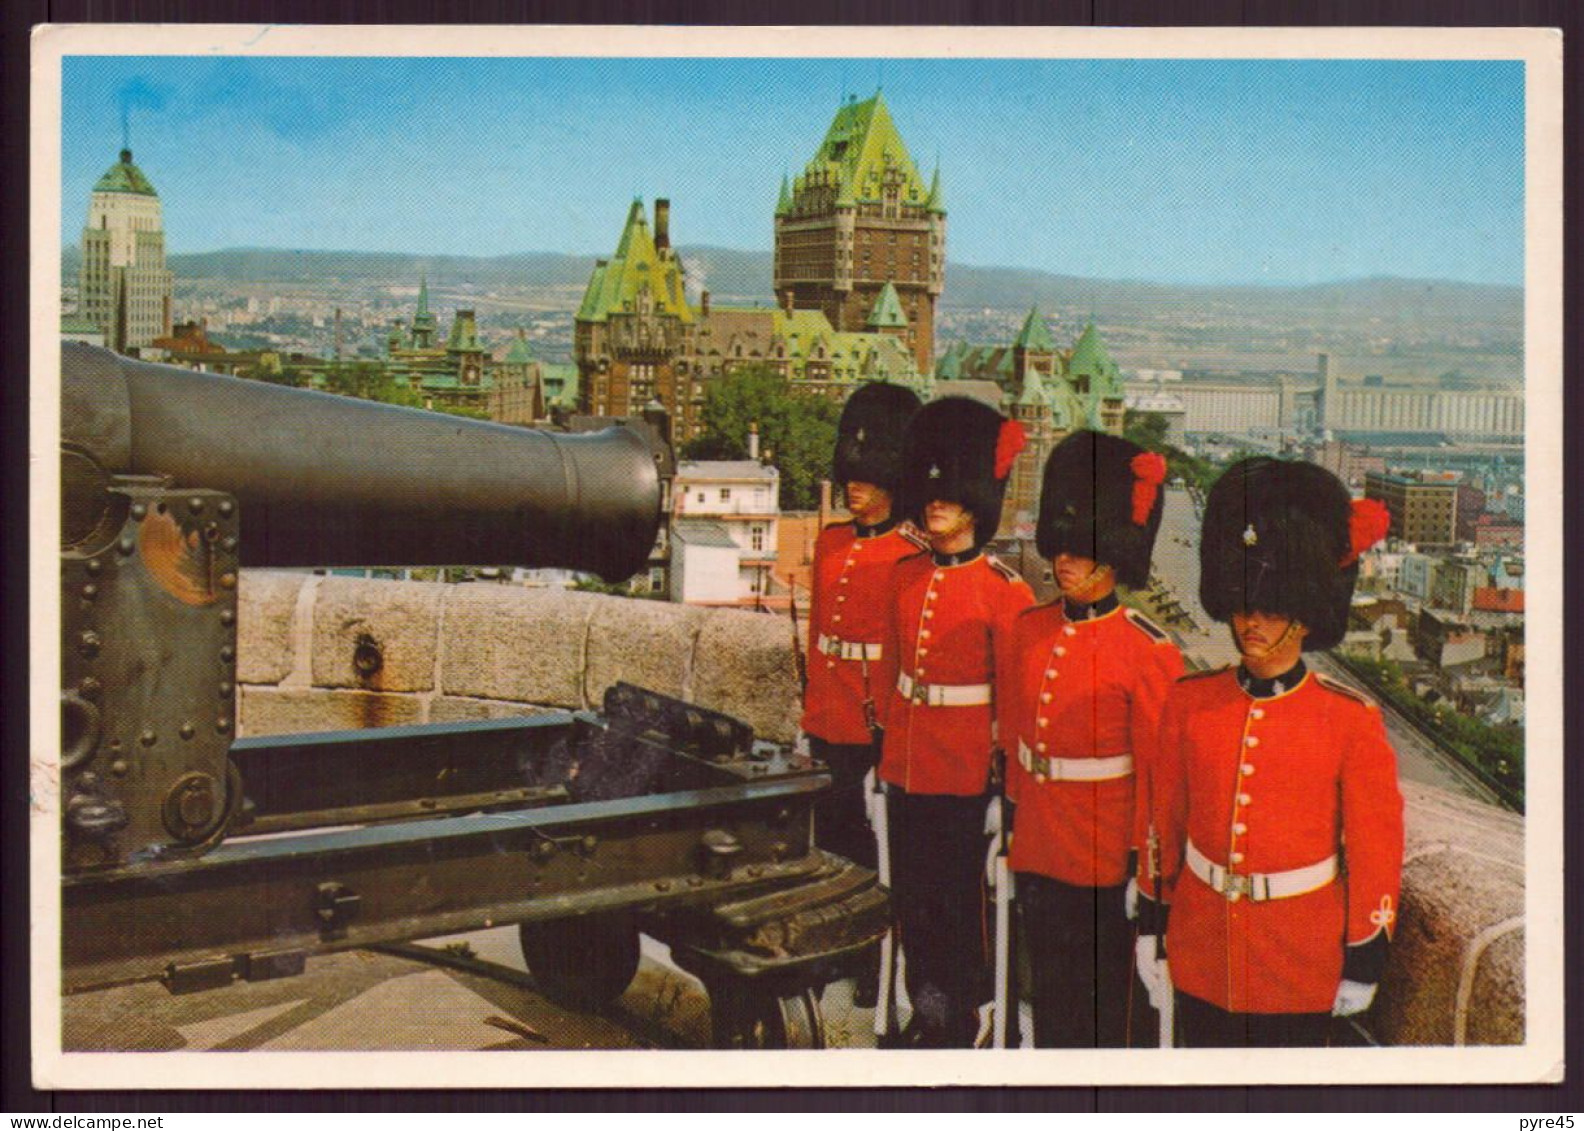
(1101, 499)
(959, 450)
(1283, 538)
(869, 437)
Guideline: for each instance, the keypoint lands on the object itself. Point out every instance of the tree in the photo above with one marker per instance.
(1146, 429)
(796, 433)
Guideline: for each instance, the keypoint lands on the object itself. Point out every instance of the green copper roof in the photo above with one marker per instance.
(518, 353)
(1035, 335)
(784, 203)
(1090, 358)
(124, 176)
(937, 198)
(464, 334)
(1033, 391)
(887, 313)
(636, 267)
(860, 146)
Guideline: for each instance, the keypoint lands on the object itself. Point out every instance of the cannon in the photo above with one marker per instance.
(196, 857)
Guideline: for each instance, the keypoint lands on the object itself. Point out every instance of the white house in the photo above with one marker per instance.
(741, 498)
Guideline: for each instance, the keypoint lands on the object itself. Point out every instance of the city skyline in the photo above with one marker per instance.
(1158, 170)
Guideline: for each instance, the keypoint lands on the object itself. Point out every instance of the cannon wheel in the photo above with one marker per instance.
(585, 962)
(764, 1022)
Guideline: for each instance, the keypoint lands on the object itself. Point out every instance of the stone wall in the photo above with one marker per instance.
(332, 653)
(329, 653)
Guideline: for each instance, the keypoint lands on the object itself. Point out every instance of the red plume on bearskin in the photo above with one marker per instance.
(1009, 443)
(1149, 472)
(1368, 522)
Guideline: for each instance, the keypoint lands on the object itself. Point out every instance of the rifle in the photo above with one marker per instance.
(1167, 1010)
(1001, 1017)
(797, 648)
(885, 1018)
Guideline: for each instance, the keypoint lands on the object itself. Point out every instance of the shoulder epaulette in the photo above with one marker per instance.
(1205, 672)
(1002, 568)
(1332, 684)
(912, 536)
(1148, 627)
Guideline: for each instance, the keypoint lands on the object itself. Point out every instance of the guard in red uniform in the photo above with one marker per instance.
(951, 613)
(1276, 793)
(1079, 703)
(847, 619)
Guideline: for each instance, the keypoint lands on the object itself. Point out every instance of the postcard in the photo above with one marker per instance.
(467, 437)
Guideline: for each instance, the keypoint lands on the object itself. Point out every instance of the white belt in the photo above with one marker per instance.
(1074, 769)
(847, 649)
(1261, 885)
(943, 694)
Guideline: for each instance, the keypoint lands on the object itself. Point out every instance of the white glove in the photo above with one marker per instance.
(1352, 997)
(1130, 900)
(992, 822)
(991, 857)
(1152, 971)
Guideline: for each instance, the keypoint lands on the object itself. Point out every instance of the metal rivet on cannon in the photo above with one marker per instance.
(227, 616)
(187, 730)
(196, 505)
(228, 581)
(222, 724)
(126, 545)
(148, 737)
(90, 591)
(139, 511)
(226, 507)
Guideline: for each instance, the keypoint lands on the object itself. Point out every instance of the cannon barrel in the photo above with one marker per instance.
(324, 480)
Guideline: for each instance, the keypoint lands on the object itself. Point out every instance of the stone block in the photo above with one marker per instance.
(648, 643)
(270, 710)
(266, 605)
(527, 645)
(743, 666)
(1450, 896)
(453, 709)
(395, 622)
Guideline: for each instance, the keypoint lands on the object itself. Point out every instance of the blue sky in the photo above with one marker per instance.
(1208, 171)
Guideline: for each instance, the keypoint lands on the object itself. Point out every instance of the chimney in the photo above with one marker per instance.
(703, 304)
(662, 224)
(753, 440)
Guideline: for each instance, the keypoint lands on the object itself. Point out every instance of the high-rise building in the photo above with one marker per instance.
(859, 235)
(125, 287)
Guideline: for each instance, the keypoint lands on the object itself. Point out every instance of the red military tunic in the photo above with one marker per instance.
(1268, 785)
(947, 625)
(1084, 690)
(852, 580)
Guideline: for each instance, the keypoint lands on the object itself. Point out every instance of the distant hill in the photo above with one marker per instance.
(732, 275)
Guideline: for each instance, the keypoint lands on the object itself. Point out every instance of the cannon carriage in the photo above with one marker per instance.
(200, 858)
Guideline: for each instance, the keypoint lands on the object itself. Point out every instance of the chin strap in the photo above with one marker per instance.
(1088, 584)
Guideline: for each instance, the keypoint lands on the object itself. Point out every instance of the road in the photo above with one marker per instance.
(1177, 565)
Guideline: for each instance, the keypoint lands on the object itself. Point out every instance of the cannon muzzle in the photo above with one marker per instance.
(323, 480)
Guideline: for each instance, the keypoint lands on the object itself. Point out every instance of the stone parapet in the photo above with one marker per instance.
(330, 653)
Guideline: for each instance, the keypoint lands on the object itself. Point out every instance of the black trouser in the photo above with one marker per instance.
(1080, 951)
(841, 821)
(937, 861)
(1201, 1025)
